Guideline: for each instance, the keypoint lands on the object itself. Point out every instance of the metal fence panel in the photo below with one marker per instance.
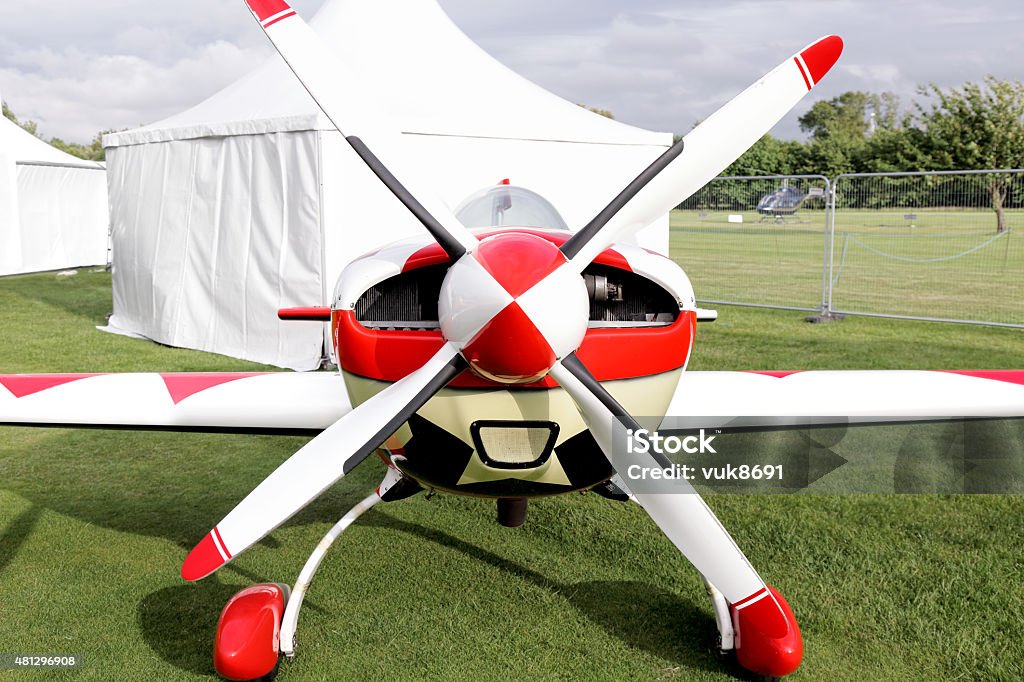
(757, 241)
(942, 246)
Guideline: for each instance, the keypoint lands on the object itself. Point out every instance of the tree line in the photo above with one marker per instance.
(977, 126)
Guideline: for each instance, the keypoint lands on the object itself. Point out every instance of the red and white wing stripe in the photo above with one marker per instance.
(309, 401)
(853, 395)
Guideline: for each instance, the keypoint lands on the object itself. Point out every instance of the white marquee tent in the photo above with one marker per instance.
(251, 201)
(53, 206)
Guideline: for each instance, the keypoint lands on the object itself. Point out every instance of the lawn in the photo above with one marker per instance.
(94, 526)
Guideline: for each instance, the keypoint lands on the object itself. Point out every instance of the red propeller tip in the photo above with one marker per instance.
(821, 56)
(264, 9)
(204, 559)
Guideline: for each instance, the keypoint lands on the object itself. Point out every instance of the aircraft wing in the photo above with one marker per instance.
(780, 399)
(297, 402)
(312, 401)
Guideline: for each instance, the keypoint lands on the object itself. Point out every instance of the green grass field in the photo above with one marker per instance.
(942, 264)
(94, 526)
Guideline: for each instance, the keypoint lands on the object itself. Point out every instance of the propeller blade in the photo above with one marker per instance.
(706, 151)
(319, 463)
(684, 517)
(311, 60)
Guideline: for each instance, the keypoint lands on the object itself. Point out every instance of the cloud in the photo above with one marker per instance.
(689, 61)
(78, 67)
(74, 94)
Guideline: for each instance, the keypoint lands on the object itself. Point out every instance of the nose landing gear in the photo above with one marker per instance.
(258, 624)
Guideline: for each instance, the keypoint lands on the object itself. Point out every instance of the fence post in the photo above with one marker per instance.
(830, 228)
(826, 277)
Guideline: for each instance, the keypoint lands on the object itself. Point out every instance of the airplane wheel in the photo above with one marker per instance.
(247, 646)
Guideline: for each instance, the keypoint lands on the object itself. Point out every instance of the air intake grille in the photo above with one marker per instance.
(617, 298)
(410, 297)
(513, 444)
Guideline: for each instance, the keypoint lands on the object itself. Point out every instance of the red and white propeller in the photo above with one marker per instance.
(513, 307)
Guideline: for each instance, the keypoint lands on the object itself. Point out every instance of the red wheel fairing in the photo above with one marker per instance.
(768, 637)
(248, 633)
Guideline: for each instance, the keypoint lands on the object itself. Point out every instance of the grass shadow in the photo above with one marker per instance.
(639, 614)
(154, 484)
(85, 295)
(15, 535)
(179, 623)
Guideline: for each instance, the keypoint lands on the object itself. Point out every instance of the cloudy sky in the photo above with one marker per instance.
(79, 67)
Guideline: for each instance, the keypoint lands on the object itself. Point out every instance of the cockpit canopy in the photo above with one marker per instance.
(508, 205)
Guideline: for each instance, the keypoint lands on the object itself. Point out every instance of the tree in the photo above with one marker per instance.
(894, 150)
(841, 129)
(974, 127)
(29, 126)
(769, 156)
(853, 115)
(598, 111)
(92, 152)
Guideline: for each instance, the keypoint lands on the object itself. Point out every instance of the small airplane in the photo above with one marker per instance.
(493, 360)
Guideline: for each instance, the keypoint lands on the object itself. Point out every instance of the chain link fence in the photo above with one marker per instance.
(756, 241)
(945, 246)
(937, 246)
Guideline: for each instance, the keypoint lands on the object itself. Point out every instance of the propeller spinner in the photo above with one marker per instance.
(514, 308)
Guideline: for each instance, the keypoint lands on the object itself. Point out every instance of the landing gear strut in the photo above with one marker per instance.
(258, 624)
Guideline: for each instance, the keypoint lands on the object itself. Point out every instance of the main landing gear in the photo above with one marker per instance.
(258, 624)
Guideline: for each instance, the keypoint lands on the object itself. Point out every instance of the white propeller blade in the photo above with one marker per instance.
(316, 68)
(684, 517)
(321, 462)
(706, 151)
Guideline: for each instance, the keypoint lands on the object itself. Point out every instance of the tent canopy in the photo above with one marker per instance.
(426, 72)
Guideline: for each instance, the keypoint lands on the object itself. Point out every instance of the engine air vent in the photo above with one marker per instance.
(514, 444)
(618, 298)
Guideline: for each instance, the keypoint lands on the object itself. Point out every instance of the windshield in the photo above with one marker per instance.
(508, 205)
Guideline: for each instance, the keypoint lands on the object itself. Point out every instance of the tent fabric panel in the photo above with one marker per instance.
(360, 213)
(51, 217)
(63, 216)
(10, 225)
(211, 237)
